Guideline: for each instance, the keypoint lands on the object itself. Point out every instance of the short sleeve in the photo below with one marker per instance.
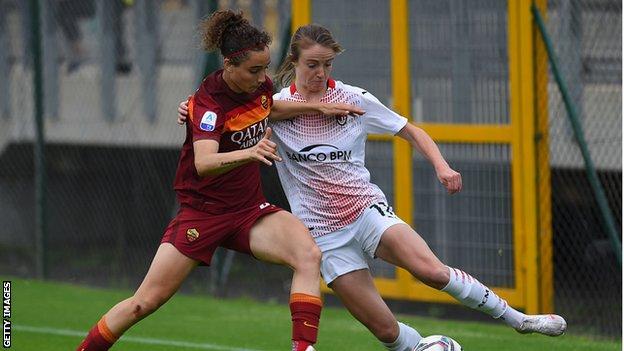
(379, 119)
(207, 121)
(280, 95)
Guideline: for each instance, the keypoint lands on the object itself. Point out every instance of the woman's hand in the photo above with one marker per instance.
(339, 109)
(451, 179)
(265, 150)
(183, 111)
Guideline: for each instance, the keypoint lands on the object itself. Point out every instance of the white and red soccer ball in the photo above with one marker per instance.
(437, 343)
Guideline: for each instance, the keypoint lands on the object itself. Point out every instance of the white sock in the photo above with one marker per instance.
(513, 317)
(473, 294)
(408, 338)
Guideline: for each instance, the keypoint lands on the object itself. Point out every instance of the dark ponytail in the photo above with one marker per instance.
(232, 35)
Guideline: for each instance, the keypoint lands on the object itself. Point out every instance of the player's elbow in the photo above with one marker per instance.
(412, 134)
(275, 115)
(204, 169)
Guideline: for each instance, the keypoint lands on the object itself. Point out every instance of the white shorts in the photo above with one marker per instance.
(349, 249)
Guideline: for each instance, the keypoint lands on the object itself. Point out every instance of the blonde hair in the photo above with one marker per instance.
(303, 38)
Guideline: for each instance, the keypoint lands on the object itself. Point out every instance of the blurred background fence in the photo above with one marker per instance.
(587, 38)
(114, 72)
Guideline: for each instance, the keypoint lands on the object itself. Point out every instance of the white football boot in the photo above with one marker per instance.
(309, 348)
(547, 324)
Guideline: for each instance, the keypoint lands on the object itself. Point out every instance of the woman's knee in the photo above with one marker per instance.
(436, 276)
(307, 257)
(145, 304)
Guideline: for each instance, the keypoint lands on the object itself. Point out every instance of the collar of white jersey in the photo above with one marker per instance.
(331, 84)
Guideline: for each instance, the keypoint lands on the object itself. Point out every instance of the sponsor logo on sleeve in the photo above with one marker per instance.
(208, 121)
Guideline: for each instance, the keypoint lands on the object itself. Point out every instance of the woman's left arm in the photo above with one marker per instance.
(288, 109)
(421, 141)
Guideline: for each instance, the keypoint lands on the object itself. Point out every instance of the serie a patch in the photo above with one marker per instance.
(208, 121)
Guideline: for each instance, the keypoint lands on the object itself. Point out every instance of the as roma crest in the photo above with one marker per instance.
(192, 234)
(264, 101)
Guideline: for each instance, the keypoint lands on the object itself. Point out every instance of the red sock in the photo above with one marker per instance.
(100, 338)
(306, 312)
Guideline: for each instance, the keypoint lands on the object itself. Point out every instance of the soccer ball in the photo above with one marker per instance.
(437, 343)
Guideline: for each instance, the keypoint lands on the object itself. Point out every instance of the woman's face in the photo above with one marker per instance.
(251, 73)
(314, 68)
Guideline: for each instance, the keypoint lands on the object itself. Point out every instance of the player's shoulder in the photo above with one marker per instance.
(362, 95)
(365, 95)
(203, 105)
(284, 93)
(349, 88)
(211, 90)
(205, 99)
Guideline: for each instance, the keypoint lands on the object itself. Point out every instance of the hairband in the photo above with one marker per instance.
(243, 50)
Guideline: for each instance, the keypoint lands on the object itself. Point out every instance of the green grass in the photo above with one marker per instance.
(235, 324)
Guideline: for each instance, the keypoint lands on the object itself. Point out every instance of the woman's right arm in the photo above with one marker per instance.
(210, 162)
(282, 109)
(288, 109)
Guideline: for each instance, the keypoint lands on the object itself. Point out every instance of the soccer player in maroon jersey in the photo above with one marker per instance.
(218, 186)
(325, 189)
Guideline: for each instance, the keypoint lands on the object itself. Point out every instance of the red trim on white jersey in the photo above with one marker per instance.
(331, 84)
(323, 174)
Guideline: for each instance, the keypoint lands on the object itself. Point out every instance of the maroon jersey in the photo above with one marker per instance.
(236, 121)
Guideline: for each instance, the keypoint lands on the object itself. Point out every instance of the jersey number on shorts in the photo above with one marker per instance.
(383, 209)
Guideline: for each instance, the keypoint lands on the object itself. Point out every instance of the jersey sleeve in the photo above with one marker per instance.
(280, 95)
(379, 119)
(206, 118)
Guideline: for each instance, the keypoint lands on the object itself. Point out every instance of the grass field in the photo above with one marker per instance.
(52, 316)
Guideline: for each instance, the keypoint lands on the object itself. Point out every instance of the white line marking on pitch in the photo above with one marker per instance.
(133, 339)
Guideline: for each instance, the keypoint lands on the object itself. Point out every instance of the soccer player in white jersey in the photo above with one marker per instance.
(329, 189)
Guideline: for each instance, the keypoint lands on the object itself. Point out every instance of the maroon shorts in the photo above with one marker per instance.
(197, 234)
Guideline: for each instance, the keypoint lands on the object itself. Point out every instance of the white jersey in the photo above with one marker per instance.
(323, 172)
